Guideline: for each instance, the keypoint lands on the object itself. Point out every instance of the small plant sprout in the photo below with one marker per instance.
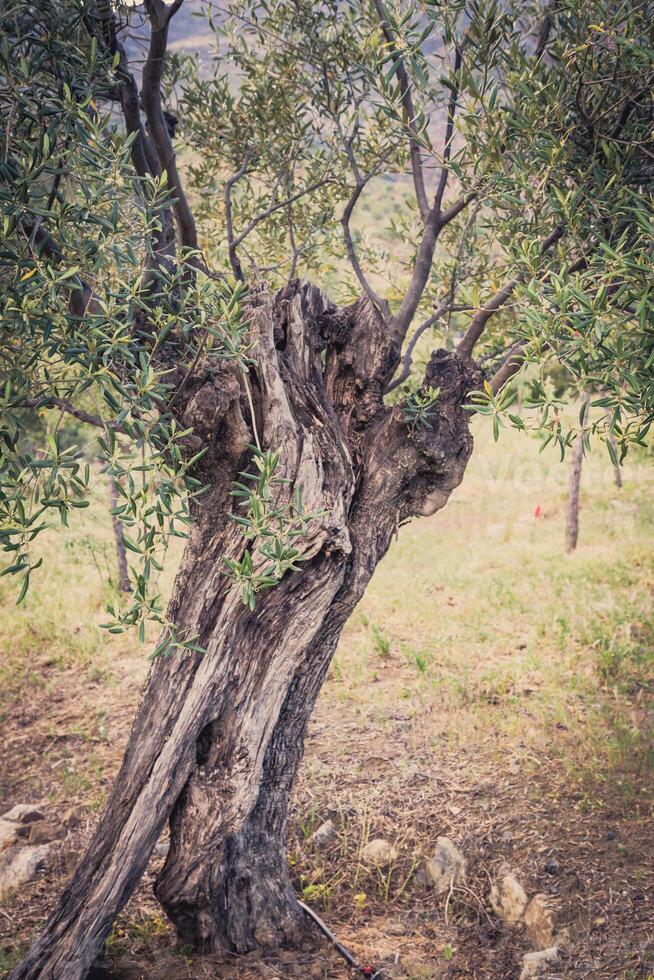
(270, 530)
(417, 408)
(381, 642)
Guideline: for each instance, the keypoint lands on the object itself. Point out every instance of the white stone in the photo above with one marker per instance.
(445, 867)
(19, 865)
(8, 833)
(539, 921)
(379, 852)
(23, 813)
(508, 899)
(539, 964)
(12, 821)
(324, 835)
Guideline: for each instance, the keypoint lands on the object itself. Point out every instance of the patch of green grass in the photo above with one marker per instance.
(380, 641)
(624, 649)
(420, 659)
(11, 957)
(507, 638)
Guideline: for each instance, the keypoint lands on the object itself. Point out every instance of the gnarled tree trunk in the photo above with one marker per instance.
(218, 736)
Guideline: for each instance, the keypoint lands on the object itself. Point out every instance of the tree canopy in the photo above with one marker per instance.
(481, 171)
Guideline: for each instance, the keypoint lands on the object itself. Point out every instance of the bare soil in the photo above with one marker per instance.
(376, 774)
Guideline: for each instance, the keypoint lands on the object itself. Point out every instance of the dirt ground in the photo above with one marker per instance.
(497, 694)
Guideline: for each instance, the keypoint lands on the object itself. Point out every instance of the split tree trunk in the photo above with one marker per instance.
(218, 737)
(572, 517)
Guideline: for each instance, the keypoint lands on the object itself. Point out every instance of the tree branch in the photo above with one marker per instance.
(144, 156)
(496, 302)
(407, 359)
(51, 401)
(407, 103)
(509, 366)
(234, 261)
(544, 29)
(436, 220)
(160, 16)
(277, 207)
(80, 292)
(449, 133)
(379, 303)
(515, 357)
(445, 306)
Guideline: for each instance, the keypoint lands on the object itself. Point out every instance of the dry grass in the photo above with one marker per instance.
(489, 688)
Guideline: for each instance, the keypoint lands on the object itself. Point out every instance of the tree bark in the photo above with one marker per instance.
(572, 517)
(121, 554)
(617, 469)
(218, 736)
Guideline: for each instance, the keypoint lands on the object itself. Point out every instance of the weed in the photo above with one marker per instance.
(420, 659)
(380, 641)
(308, 823)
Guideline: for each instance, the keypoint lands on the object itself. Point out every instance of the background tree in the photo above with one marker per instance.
(121, 551)
(572, 517)
(218, 382)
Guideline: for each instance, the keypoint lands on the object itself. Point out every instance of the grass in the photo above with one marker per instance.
(485, 618)
(477, 610)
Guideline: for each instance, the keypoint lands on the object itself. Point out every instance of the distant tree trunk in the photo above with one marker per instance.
(617, 469)
(572, 521)
(121, 554)
(218, 736)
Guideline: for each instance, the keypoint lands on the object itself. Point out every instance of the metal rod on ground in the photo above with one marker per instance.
(365, 971)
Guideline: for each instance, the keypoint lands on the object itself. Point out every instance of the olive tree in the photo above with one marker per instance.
(162, 223)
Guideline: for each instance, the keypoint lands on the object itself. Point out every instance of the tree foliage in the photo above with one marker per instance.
(550, 149)
(93, 320)
(482, 171)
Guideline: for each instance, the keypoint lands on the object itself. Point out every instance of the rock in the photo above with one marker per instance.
(23, 813)
(552, 867)
(379, 852)
(72, 816)
(8, 833)
(15, 823)
(538, 964)
(508, 899)
(41, 832)
(20, 864)
(161, 850)
(324, 835)
(447, 865)
(539, 920)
